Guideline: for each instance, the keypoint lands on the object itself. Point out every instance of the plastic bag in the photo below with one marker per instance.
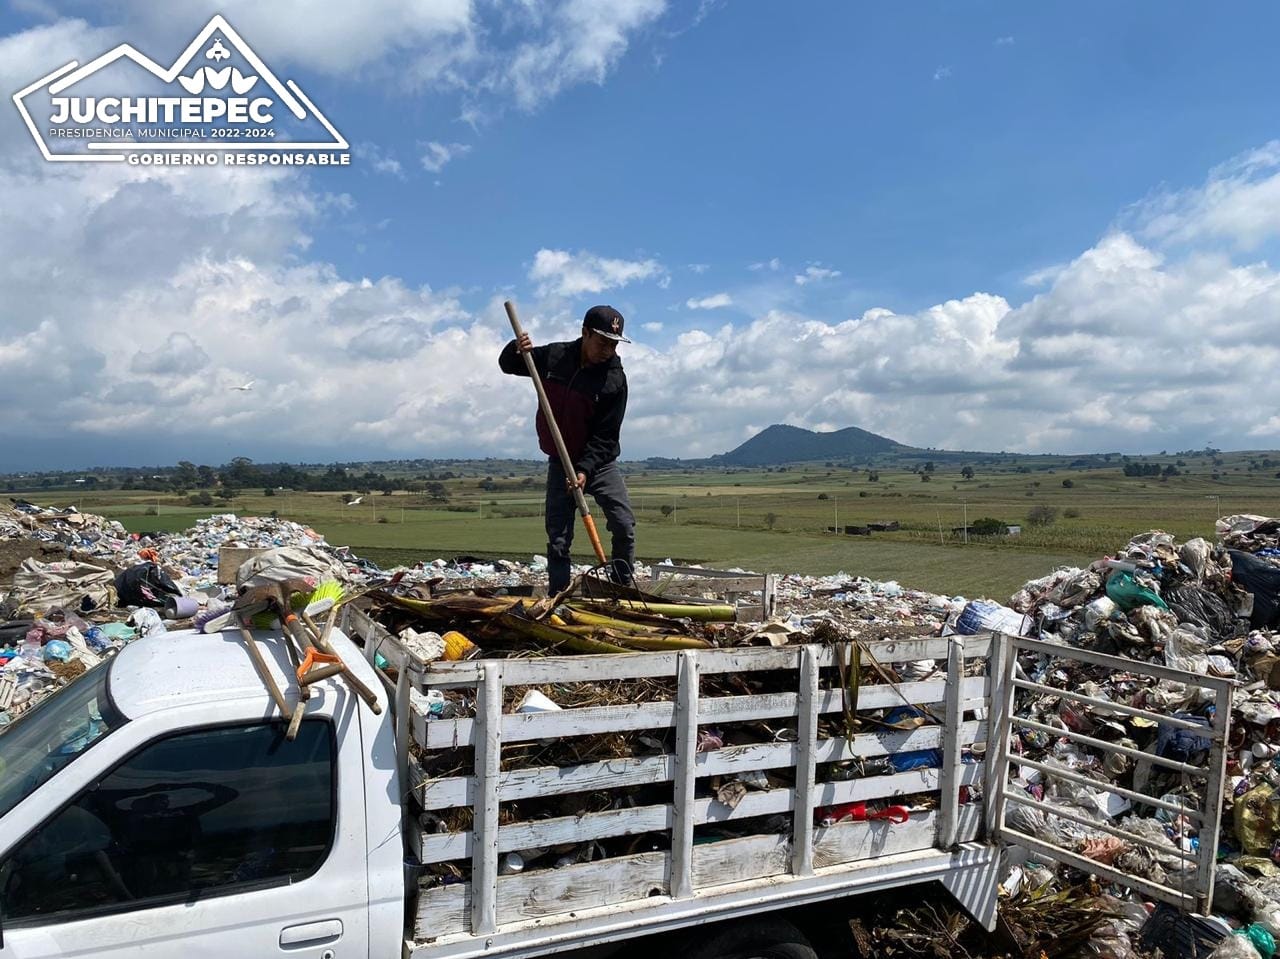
(147, 621)
(980, 616)
(1235, 947)
(1257, 819)
(1127, 593)
(1185, 649)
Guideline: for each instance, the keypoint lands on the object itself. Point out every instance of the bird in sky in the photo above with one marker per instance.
(246, 388)
(356, 501)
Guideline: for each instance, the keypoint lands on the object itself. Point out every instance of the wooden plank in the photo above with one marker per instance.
(615, 773)
(570, 889)
(680, 882)
(442, 793)
(598, 825)
(739, 860)
(855, 841)
(443, 911)
(884, 696)
(569, 669)
(806, 764)
(767, 802)
(892, 785)
(718, 586)
(748, 758)
(949, 779)
(885, 742)
(445, 847)
(485, 835)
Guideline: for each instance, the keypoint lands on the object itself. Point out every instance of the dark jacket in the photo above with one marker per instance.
(588, 402)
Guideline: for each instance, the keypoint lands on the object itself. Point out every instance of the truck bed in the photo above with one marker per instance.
(663, 795)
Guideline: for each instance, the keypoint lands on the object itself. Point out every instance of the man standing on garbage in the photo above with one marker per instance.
(587, 389)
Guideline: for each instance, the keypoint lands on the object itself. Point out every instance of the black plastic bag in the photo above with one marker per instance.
(144, 585)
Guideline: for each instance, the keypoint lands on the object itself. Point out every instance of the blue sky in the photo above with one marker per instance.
(966, 225)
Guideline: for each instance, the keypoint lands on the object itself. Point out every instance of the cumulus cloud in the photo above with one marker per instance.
(140, 296)
(815, 274)
(561, 273)
(178, 355)
(942, 73)
(437, 155)
(1238, 203)
(713, 302)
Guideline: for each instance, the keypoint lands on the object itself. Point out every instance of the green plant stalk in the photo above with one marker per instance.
(701, 614)
(554, 635)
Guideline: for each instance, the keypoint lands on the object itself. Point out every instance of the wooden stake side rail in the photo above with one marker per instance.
(685, 870)
(444, 912)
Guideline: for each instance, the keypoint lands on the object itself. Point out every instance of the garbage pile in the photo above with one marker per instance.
(1208, 611)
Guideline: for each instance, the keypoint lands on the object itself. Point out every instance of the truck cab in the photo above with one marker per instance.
(155, 808)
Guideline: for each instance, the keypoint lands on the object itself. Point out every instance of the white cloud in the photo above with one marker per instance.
(437, 155)
(141, 295)
(560, 273)
(699, 268)
(713, 302)
(1005, 41)
(942, 73)
(1239, 203)
(490, 54)
(583, 39)
(338, 39)
(179, 355)
(815, 274)
(377, 160)
(1044, 276)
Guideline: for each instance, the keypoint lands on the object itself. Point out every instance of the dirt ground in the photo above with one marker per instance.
(14, 551)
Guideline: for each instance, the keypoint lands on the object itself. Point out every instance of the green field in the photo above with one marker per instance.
(775, 520)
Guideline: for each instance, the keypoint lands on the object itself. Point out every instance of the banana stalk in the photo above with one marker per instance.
(554, 635)
(701, 614)
(583, 618)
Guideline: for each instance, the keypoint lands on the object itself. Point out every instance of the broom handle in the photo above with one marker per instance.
(565, 461)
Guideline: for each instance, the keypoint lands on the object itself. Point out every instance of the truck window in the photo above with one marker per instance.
(54, 733)
(193, 815)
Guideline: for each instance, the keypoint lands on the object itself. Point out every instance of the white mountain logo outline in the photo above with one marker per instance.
(289, 93)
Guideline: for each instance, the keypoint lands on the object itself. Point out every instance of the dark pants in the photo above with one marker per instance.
(609, 490)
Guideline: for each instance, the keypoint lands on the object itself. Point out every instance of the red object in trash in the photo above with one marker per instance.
(858, 812)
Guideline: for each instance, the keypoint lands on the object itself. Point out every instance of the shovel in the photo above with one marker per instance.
(565, 460)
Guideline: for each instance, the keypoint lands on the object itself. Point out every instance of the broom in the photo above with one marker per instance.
(326, 598)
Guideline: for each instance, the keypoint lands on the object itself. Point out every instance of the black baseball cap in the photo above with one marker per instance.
(606, 321)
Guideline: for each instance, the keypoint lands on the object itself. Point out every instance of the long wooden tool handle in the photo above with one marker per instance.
(565, 461)
(260, 664)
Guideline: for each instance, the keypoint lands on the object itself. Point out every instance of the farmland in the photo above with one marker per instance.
(779, 519)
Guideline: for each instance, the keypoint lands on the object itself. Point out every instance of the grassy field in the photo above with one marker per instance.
(779, 520)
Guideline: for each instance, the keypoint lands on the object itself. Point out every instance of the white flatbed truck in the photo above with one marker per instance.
(155, 809)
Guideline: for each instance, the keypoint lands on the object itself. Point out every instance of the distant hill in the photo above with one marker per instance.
(790, 444)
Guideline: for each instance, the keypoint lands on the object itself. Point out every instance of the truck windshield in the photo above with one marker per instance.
(54, 733)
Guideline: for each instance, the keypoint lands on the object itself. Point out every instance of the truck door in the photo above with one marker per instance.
(221, 841)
